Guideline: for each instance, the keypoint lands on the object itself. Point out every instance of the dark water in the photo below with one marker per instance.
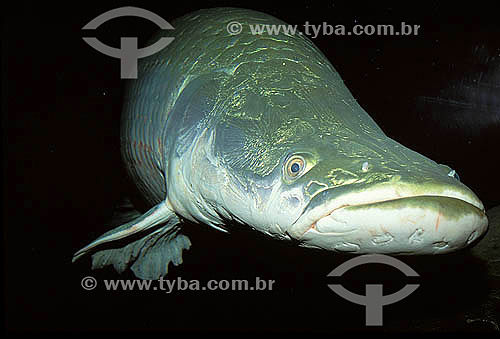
(436, 93)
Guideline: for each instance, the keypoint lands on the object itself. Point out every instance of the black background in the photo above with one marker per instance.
(63, 174)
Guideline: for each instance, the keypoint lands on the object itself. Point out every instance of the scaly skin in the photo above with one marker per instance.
(215, 122)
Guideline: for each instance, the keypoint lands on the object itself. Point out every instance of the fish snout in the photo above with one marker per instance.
(411, 225)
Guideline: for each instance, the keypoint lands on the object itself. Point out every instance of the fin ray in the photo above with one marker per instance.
(155, 216)
(149, 256)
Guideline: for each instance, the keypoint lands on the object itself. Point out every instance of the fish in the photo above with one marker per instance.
(239, 129)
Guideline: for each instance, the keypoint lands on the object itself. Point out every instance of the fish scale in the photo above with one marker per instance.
(260, 130)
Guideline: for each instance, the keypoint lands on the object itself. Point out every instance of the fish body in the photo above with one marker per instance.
(226, 129)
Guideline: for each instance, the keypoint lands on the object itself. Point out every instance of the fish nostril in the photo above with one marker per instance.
(365, 167)
(454, 174)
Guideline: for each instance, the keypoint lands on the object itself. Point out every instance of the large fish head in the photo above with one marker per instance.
(398, 203)
(330, 178)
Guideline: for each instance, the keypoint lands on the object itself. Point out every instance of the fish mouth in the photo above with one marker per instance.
(411, 224)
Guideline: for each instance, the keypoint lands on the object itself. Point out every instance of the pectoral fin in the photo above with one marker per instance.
(148, 255)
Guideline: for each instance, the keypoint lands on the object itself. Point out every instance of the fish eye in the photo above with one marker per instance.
(295, 166)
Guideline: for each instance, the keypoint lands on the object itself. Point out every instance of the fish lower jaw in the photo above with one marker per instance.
(411, 225)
